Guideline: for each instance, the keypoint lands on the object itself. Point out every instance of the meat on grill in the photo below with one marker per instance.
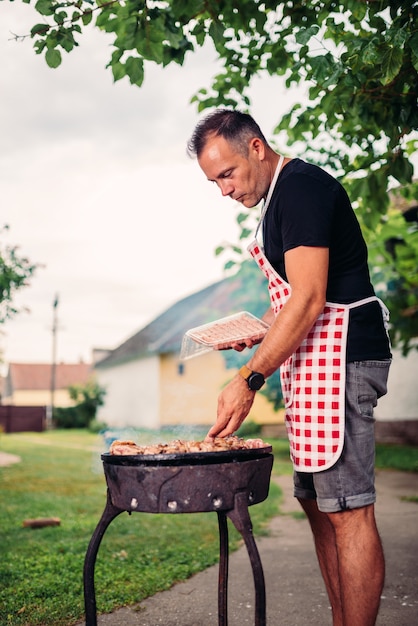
(179, 446)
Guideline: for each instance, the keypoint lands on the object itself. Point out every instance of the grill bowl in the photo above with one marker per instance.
(187, 482)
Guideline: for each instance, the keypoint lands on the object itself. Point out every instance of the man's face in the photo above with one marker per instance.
(245, 179)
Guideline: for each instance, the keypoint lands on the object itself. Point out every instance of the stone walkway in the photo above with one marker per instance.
(8, 459)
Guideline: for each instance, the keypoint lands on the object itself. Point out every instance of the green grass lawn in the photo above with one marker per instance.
(61, 476)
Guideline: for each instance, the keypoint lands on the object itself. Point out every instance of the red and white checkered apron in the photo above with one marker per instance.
(313, 378)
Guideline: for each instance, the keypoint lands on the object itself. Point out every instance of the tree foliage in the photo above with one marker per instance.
(87, 398)
(393, 254)
(14, 273)
(358, 60)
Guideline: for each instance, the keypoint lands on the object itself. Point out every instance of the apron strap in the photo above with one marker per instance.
(270, 193)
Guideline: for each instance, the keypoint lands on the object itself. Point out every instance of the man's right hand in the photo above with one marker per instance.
(234, 404)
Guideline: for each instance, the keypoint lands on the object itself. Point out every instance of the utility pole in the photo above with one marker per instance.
(54, 356)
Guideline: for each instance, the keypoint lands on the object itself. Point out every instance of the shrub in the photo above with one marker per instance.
(87, 399)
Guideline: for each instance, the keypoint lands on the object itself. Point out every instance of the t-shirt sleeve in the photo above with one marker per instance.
(306, 207)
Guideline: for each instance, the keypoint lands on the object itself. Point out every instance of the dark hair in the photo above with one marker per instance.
(236, 127)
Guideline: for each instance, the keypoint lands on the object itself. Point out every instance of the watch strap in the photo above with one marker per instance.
(245, 372)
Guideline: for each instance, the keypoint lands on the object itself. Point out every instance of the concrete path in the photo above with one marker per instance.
(8, 459)
(295, 592)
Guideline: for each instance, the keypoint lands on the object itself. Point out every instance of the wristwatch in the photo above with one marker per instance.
(255, 380)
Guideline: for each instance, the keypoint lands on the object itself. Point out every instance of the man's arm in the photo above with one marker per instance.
(307, 273)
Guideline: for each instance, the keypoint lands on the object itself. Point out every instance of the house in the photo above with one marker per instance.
(397, 412)
(2, 388)
(148, 386)
(29, 384)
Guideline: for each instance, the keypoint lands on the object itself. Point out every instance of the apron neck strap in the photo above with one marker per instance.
(270, 192)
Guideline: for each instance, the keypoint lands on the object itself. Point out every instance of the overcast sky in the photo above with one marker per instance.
(96, 187)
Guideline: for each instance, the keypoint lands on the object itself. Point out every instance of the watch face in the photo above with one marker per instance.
(255, 381)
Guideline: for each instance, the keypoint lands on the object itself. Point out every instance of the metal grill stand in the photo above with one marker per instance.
(227, 488)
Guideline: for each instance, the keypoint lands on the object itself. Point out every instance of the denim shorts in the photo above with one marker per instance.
(349, 484)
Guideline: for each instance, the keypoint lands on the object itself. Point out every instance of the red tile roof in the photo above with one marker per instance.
(37, 376)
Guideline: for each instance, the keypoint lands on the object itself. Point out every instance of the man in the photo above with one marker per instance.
(328, 337)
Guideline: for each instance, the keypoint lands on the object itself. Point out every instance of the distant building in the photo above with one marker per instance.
(146, 384)
(29, 384)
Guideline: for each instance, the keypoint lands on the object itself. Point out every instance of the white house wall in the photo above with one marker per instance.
(132, 394)
(401, 401)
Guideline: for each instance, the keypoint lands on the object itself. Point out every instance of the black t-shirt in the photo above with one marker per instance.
(311, 208)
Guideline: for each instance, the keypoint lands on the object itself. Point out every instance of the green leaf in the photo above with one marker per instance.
(183, 10)
(229, 265)
(60, 17)
(39, 29)
(135, 70)
(86, 17)
(127, 30)
(217, 32)
(39, 46)
(391, 63)
(358, 9)
(45, 7)
(245, 233)
(199, 32)
(152, 50)
(413, 43)
(53, 58)
(118, 70)
(116, 56)
(401, 169)
(396, 36)
(322, 68)
(371, 53)
(305, 34)
(66, 39)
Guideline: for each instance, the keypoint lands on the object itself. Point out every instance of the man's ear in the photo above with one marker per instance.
(257, 148)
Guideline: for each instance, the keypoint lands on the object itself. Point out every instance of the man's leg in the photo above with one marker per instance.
(326, 550)
(339, 503)
(361, 564)
(351, 559)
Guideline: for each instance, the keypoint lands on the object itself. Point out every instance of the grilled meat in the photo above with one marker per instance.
(180, 446)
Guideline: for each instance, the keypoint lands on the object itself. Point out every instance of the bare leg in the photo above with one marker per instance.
(351, 559)
(326, 550)
(361, 564)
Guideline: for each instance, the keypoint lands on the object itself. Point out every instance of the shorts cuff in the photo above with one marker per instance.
(336, 505)
(304, 494)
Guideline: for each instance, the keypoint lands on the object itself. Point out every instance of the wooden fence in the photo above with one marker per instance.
(18, 419)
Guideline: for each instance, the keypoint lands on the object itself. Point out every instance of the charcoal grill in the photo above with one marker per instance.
(226, 482)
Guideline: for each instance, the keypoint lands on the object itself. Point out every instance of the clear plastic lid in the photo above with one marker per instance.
(220, 334)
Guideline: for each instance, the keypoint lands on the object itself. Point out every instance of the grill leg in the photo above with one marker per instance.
(223, 570)
(240, 517)
(108, 515)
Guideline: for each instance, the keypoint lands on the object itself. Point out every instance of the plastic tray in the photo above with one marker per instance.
(221, 333)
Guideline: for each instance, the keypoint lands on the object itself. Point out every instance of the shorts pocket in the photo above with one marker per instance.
(371, 384)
